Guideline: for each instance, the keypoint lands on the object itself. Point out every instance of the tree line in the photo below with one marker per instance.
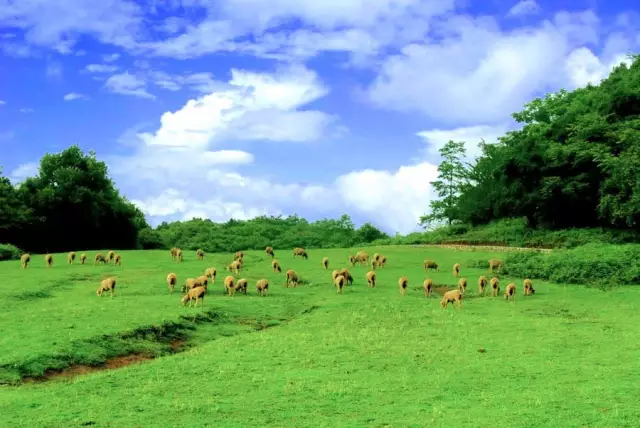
(575, 163)
(72, 204)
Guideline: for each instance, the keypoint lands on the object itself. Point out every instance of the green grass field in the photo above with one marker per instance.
(566, 357)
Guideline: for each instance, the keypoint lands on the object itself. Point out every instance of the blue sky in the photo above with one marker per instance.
(238, 108)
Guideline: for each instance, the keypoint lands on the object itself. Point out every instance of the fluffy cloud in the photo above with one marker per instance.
(24, 171)
(583, 67)
(75, 96)
(524, 7)
(101, 68)
(128, 84)
(471, 135)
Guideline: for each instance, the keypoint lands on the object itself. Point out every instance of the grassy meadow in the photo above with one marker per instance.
(566, 357)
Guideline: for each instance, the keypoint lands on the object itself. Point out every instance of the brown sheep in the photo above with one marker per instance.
(462, 285)
(339, 283)
(117, 261)
(83, 258)
(430, 264)
(352, 260)
(179, 255)
(200, 254)
(275, 265)
(25, 260)
(347, 276)
(456, 270)
(495, 286)
(211, 273)
(204, 281)
(110, 256)
(229, 285)
(376, 257)
(428, 287)
(528, 287)
(189, 283)
(371, 279)
(174, 251)
(262, 286)
(100, 258)
(510, 291)
(292, 278)
(71, 257)
(325, 263)
(269, 251)
(495, 264)
(300, 252)
(238, 256)
(172, 280)
(362, 258)
(450, 297)
(482, 284)
(374, 264)
(108, 284)
(241, 285)
(335, 274)
(197, 294)
(48, 260)
(403, 283)
(383, 261)
(235, 267)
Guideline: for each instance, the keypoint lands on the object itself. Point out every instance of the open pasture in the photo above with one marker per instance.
(306, 356)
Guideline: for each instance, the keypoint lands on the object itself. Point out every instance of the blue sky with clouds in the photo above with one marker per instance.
(237, 108)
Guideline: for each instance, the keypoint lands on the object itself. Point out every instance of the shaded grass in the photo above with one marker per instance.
(566, 357)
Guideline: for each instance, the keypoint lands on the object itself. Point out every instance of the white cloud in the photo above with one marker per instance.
(128, 84)
(101, 68)
(524, 7)
(477, 73)
(2, 103)
(75, 96)
(54, 70)
(24, 171)
(111, 57)
(200, 82)
(583, 67)
(471, 135)
(26, 110)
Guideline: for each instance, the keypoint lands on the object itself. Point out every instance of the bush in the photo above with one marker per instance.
(10, 252)
(149, 239)
(477, 264)
(587, 264)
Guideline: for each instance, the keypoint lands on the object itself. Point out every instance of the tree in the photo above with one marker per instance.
(452, 180)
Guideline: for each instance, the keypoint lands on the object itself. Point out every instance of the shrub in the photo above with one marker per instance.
(149, 239)
(10, 252)
(587, 264)
(477, 263)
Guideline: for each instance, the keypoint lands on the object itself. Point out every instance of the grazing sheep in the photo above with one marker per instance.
(262, 286)
(200, 254)
(362, 258)
(339, 283)
(238, 256)
(234, 267)
(100, 258)
(495, 264)
(462, 285)
(269, 251)
(352, 260)
(229, 285)
(482, 284)
(335, 274)
(300, 252)
(204, 281)
(374, 264)
(71, 257)
(211, 273)
(403, 283)
(179, 255)
(83, 258)
(108, 284)
(110, 255)
(275, 265)
(510, 291)
(376, 257)
(242, 285)
(25, 260)
(371, 279)
(528, 287)
(117, 261)
(197, 294)
(189, 283)
(456, 270)
(383, 261)
(325, 263)
(495, 286)
(174, 252)
(428, 287)
(430, 264)
(48, 260)
(172, 280)
(451, 297)
(292, 278)
(347, 276)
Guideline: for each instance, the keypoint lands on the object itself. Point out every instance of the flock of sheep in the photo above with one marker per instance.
(194, 289)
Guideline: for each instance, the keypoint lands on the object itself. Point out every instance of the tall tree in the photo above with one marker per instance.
(453, 177)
